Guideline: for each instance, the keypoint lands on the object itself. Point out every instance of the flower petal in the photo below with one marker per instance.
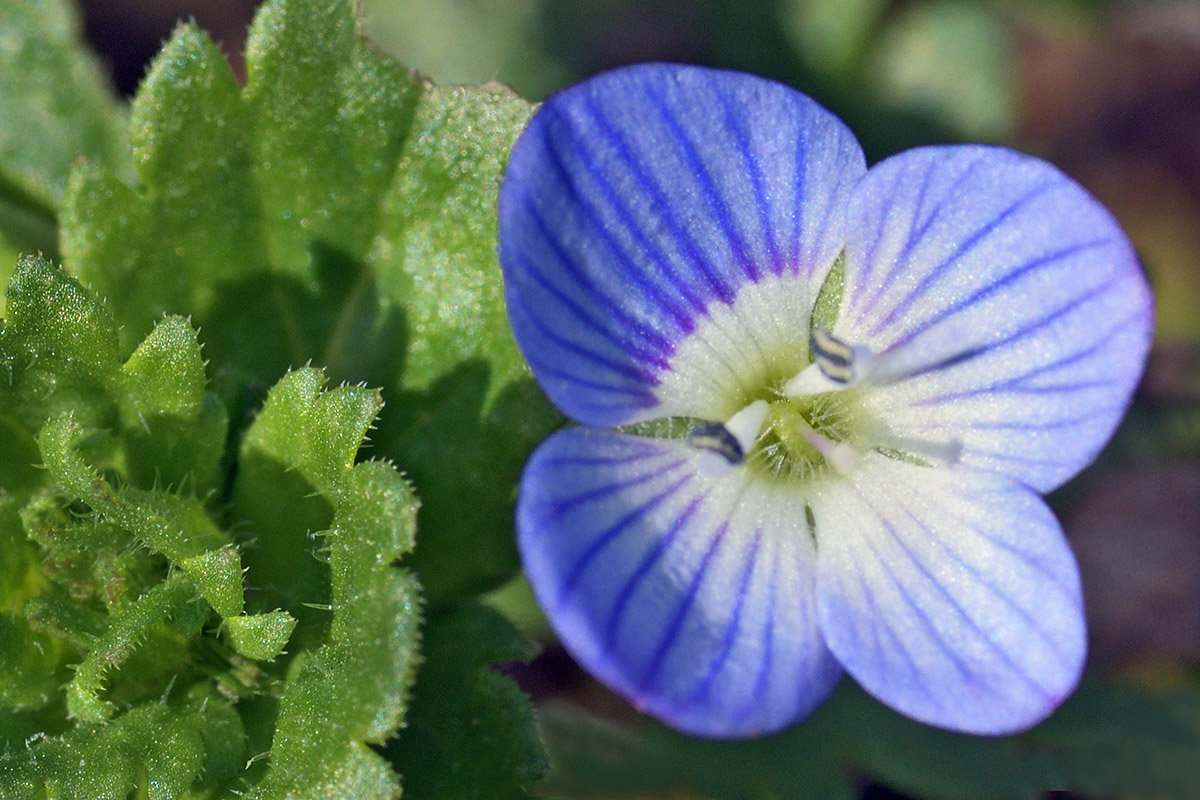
(637, 201)
(691, 596)
(950, 595)
(1008, 309)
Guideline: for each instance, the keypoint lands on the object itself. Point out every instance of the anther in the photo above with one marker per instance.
(725, 445)
(836, 365)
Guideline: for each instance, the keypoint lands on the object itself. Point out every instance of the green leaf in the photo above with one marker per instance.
(352, 689)
(597, 758)
(128, 629)
(54, 108)
(152, 745)
(469, 43)
(58, 347)
(174, 525)
(261, 636)
(469, 733)
(337, 210)
(174, 431)
(952, 61)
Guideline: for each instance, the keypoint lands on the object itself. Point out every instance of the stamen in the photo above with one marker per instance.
(746, 424)
(725, 446)
(944, 453)
(841, 455)
(836, 365)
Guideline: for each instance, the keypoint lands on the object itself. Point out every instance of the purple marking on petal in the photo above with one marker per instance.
(606, 489)
(713, 283)
(920, 613)
(638, 398)
(685, 605)
(965, 247)
(608, 536)
(601, 461)
(768, 636)
(682, 318)
(999, 285)
(731, 631)
(659, 348)
(916, 232)
(953, 603)
(951, 622)
(878, 631)
(640, 376)
(712, 196)
(1017, 335)
(1047, 424)
(997, 280)
(660, 587)
(1013, 383)
(736, 125)
(1034, 623)
(643, 569)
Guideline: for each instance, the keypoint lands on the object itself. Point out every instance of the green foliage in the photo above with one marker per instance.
(198, 581)
(121, 592)
(54, 108)
(336, 210)
(1108, 740)
(351, 690)
(470, 734)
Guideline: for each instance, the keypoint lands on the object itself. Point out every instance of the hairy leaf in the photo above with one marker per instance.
(54, 108)
(352, 689)
(336, 210)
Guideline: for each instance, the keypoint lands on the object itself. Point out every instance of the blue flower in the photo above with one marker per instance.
(817, 402)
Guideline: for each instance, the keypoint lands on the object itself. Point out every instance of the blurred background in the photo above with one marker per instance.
(1108, 91)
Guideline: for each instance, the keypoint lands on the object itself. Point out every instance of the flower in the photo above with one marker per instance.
(818, 403)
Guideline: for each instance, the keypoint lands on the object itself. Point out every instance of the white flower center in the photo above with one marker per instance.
(779, 393)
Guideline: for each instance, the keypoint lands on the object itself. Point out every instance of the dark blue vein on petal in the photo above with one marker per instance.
(995, 592)
(563, 505)
(637, 397)
(731, 631)
(762, 680)
(708, 278)
(643, 569)
(799, 179)
(876, 239)
(999, 285)
(1061, 388)
(915, 231)
(681, 318)
(1021, 333)
(735, 122)
(1013, 383)
(969, 244)
(585, 353)
(919, 613)
(1049, 424)
(657, 350)
(638, 455)
(1029, 559)
(940, 588)
(608, 536)
(712, 195)
(675, 625)
(879, 628)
